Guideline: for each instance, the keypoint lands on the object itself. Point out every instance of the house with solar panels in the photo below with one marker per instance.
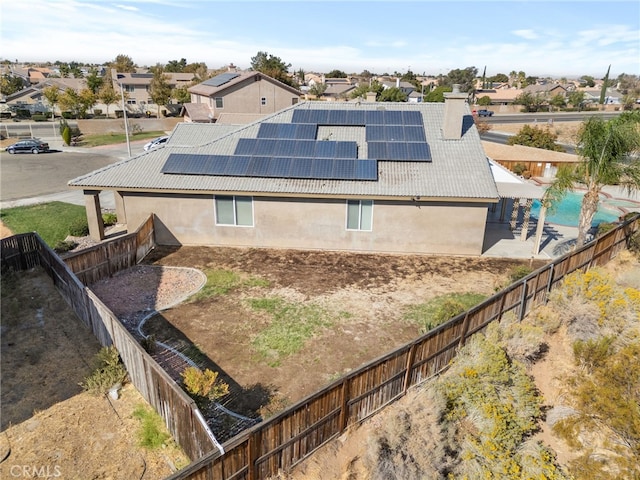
(238, 93)
(348, 176)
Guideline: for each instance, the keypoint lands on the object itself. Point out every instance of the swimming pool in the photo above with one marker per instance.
(567, 212)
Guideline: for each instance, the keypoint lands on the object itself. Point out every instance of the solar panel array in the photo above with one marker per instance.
(290, 150)
(221, 79)
(271, 167)
(354, 118)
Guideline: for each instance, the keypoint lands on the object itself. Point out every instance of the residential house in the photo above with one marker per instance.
(548, 90)
(252, 93)
(611, 96)
(136, 88)
(499, 96)
(32, 99)
(405, 87)
(350, 176)
(536, 162)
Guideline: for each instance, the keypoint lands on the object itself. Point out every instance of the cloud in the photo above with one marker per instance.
(526, 34)
(128, 7)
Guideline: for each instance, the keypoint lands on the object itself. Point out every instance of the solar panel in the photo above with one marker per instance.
(418, 151)
(268, 130)
(322, 168)
(346, 150)
(305, 148)
(280, 166)
(221, 79)
(393, 117)
(300, 168)
(414, 134)
(286, 130)
(355, 118)
(237, 166)
(397, 151)
(374, 133)
(377, 150)
(374, 117)
(320, 117)
(337, 117)
(411, 117)
(301, 116)
(344, 169)
(306, 131)
(394, 133)
(285, 148)
(366, 170)
(245, 146)
(325, 149)
(258, 166)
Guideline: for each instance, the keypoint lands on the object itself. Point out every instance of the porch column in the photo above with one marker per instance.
(120, 212)
(503, 208)
(514, 214)
(539, 229)
(94, 214)
(525, 221)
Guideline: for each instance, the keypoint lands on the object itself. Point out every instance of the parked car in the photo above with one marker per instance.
(485, 113)
(156, 142)
(32, 145)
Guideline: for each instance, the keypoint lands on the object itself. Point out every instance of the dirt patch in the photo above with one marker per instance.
(49, 425)
(365, 295)
(566, 131)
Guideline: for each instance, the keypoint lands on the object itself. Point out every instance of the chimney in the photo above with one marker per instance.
(371, 97)
(397, 83)
(454, 104)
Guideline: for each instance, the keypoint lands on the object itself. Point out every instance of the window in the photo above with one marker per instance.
(263, 101)
(232, 210)
(294, 101)
(359, 214)
(131, 101)
(219, 102)
(129, 88)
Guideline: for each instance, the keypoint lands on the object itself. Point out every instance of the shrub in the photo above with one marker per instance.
(64, 246)
(66, 135)
(518, 272)
(79, 228)
(109, 219)
(442, 309)
(518, 168)
(152, 433)
(108, 371)
(39, 118)
(204, 384)
(97, 111)
(67, 115)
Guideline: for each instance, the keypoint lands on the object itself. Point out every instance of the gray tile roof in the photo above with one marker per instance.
(459, 168)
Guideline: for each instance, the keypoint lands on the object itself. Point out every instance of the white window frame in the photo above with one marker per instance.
(360, 215)
(235, 210)
(215, 101)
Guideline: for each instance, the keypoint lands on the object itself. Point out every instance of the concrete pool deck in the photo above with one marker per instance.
(557, 240)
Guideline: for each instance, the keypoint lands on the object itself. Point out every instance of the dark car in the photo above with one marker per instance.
(485, 113)
(32, 145)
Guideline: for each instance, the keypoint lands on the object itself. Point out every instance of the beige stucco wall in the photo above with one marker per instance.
(245, 97)
(408, 227)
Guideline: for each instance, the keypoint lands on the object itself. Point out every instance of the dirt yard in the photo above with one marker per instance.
(366, 297)
(50, 427)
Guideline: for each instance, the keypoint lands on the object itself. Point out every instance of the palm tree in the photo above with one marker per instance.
(606, 149)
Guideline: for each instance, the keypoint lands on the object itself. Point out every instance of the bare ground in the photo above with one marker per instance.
(49, 425)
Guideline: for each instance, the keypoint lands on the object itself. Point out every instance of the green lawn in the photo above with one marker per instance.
(112, 138)
(52, 221)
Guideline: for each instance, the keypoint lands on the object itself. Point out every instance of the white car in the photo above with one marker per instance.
(156, 142)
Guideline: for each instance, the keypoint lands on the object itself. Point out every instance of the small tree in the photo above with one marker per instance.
(159, 89)
(52, 96)
(557, 101)
(66, 135)
(108, 95)
(204, 385)
(536, 137)
(576, 98)
(392, 94)
(529, 101)
(318, 89)
(484, 101)
(181, 94)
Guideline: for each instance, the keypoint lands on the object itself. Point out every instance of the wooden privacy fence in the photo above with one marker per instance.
(181, 415)
(289, 437)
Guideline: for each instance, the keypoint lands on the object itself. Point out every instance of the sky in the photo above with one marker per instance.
(540, 37)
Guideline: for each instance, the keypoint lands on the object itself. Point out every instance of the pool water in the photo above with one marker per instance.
(567, 212)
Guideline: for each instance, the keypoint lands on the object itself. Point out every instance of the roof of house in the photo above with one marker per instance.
(336, 90)
(198, 112)
(145, 78)
(521, 153)
(458, 169)
(226, 80)
(547, 87)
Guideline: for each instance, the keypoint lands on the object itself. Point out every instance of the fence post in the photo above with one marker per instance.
(465, 329)
(344, 400)
(407, 375)
(523, 300)
(252, 454)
